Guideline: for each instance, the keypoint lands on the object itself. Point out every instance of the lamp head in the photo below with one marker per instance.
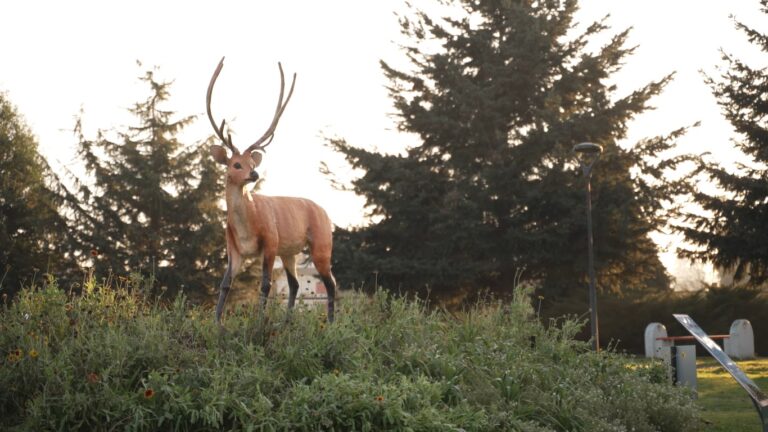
(588, 148)
(588, 153)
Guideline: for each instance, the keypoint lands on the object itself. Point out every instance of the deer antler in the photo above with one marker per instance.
(270, 133)
(220, 129)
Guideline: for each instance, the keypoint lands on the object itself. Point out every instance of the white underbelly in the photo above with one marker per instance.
(290, 248)
(248, 246)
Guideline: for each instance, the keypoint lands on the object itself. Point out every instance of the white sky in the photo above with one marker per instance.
(61, 56)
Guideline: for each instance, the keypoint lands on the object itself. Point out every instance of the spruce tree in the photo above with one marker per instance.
(36, 236)
(498, 93)
(153, 199)
(732, 231)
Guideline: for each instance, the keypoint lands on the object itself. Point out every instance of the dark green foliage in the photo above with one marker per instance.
(732, 232)
(34, 234)
(154, 200)
(493, 186)
(112, 360)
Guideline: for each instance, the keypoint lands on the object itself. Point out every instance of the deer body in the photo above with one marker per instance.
(277, 225)
(269, 227)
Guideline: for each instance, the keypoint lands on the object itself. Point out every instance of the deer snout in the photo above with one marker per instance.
(253, 176)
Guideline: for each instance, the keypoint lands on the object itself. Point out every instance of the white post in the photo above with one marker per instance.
(741, 343)
(652, 344)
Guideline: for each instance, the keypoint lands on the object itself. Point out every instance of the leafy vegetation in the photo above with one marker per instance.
(731, 231)
(113, 358)
(35, 234)
(498, 93)
(153, 202)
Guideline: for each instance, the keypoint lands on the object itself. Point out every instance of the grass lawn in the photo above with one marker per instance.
(726, 405)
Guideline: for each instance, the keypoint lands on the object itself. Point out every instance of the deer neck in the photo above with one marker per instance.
(240, 207)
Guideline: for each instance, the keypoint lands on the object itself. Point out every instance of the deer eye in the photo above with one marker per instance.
(237, 165)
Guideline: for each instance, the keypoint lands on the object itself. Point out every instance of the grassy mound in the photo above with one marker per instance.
(112, 359)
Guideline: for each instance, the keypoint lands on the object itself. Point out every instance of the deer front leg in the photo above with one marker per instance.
(266, 278)
(233, 265)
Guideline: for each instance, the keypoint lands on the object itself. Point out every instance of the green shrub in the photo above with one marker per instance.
(114, 359)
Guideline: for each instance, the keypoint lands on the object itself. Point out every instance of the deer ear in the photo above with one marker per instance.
(256, 156)
(219, 154)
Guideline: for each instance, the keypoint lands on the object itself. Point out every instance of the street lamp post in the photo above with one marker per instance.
(589, 153)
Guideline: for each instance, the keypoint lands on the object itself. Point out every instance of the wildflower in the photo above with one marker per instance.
(379, 398)
(93, 377)
(17, 352)
(94, 253)
(336, 372)
(12, 358)
(149, 393)
(33, 354)
(322, 326)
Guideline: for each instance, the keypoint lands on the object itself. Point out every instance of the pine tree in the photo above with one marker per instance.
(154, 200)
(35, 235)
(492, 188)
(732, 232)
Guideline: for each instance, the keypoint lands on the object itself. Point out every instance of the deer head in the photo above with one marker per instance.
(241, 167)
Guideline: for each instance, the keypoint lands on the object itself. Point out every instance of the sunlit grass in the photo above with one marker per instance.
(725, 404)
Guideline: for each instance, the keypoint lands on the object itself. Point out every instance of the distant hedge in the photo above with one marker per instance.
(623, 319)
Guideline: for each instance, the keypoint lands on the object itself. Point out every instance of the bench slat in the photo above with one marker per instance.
(689, 338)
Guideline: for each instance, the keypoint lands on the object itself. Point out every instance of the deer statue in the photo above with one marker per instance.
(265, 226)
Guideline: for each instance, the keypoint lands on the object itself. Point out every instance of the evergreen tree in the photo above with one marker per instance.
(35, 235)
(492, 188)
(732, 232)
(153, 200)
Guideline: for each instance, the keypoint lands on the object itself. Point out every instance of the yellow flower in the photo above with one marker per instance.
(33, 353)
(379, 398)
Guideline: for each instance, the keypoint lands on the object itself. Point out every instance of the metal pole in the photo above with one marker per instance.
(590, 152)
(591, 257)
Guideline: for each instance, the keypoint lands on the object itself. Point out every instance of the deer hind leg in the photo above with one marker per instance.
(233, 266)
(289, 264)
(323, 266)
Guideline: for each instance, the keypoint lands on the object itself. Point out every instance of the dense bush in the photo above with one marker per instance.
(112, 359)
(623, 318)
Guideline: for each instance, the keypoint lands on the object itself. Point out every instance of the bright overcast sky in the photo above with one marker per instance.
(61, 56)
